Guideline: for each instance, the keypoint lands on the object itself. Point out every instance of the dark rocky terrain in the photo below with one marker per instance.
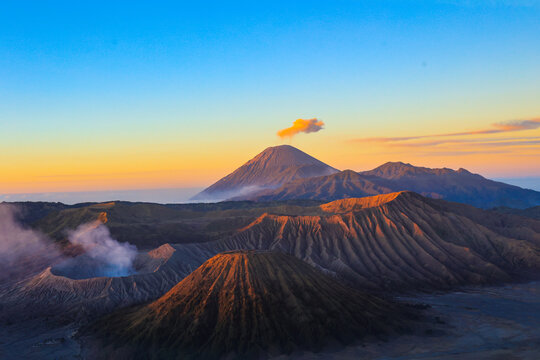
(533, 212)
(149, 225)
(249, 304)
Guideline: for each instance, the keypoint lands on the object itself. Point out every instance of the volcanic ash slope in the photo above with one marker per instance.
(249, 304)
(400, 242)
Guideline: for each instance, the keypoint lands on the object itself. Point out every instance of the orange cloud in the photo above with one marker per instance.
(507, 126)
(301, 125)
(518, 125)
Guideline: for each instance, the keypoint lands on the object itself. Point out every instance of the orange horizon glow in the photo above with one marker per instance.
(503, 154)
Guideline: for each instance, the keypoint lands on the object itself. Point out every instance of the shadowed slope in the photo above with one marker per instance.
(460, 186)
(250, 303)
(533, 212)
(149, 225)
(344, 184)
(271, 168)
(454, 185)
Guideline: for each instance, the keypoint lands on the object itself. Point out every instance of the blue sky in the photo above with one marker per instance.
(194, 77)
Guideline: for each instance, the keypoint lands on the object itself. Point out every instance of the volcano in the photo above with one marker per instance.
(270, 169)
(250, 304)
(68, 290)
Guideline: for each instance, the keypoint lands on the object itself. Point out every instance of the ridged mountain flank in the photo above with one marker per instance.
(270, 169)
(402, 241)
(250, 304)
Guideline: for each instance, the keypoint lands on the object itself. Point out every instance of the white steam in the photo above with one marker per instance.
(103, 255)
(237, 194)
(22, 251)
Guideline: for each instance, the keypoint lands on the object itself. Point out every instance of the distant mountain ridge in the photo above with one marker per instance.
(344, 184)
(269, 169)
(453, 185)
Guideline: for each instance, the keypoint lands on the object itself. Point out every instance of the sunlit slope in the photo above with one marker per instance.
(247, 304)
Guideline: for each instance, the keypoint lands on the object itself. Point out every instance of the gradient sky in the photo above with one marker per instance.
(135, 95)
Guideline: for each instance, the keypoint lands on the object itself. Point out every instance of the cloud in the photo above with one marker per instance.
(502, 127)
(490, 142)
(301, 125)
(517, 125)
(461, 153)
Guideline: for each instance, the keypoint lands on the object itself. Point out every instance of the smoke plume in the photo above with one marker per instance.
(25, 252)
(22, 251)
(103, 255)
(301, 125)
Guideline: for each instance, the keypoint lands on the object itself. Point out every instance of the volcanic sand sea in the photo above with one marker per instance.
(476, 323)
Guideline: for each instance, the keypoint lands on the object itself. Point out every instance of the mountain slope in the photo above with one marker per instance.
(149, 225)
(400, 242)
(344, 184)
(248, 304)
(459, 186)
(269, 169)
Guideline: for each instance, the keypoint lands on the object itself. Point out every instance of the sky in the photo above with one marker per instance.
(117, 96)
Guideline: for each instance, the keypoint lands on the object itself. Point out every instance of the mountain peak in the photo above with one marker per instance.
(392, 169)
(282, 156)
(396, 170)
(269, 169)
